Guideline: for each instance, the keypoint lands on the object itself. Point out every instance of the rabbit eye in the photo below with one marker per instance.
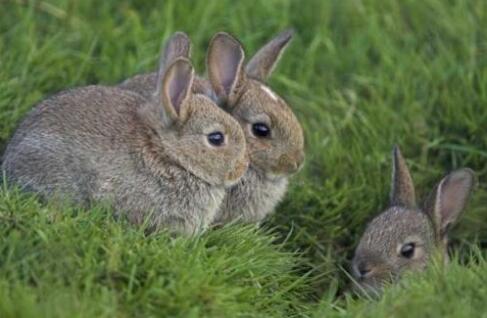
(216, 139)
(261, 130)
(407, 250)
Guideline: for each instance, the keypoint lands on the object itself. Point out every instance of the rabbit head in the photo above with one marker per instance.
(275, 141)
(405, 237)
(190, 130)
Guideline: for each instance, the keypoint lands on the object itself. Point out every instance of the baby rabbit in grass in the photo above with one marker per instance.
(163, 160)
(405, 237)
(274, 136)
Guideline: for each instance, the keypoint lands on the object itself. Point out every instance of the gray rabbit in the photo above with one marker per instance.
(164, 159)
(274, 137)
(405, 237)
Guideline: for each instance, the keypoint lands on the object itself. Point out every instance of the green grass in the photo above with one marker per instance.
(360, 75)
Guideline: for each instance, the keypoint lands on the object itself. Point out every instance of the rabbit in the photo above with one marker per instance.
(163, 162)
(405, 237)
(274, 136)
(275, 139)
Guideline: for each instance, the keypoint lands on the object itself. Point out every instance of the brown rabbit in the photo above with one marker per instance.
(405, 237)
(165, 159)
(274, 136)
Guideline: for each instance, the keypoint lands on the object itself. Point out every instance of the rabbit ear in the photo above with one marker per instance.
(264, 61)
(225, 63)
(402, 189)
(178, 45)
(449, 199)
(175, 88)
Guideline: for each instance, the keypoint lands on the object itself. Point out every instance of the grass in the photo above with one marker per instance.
(360, 75)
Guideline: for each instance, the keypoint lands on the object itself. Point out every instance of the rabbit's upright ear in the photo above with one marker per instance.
(402, 188)
(225, 66)
(264, 61)
(447, 201)
(178, 45)
(174, 89)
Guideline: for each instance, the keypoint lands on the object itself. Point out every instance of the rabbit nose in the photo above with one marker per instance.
(362, 269)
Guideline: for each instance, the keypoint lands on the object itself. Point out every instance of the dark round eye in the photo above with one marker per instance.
(261, 130)
(216, 138)
(407, 250)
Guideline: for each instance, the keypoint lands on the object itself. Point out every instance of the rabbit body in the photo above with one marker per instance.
(72, 144)
(107, 144)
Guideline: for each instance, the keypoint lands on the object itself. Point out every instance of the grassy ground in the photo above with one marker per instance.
(361, 76)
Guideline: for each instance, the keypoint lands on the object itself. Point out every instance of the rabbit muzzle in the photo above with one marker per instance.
(290, 163)
(371, 270)
(233, 176)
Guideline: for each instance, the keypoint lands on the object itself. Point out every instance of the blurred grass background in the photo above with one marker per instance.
(360, 75)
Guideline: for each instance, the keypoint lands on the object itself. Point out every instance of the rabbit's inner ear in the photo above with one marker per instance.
(402, 188)
(225, 64)
(176, 88)
(178, 45)
(263, 62)
(450, 199)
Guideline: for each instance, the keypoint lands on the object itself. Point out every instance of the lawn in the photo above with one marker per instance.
(360, 75)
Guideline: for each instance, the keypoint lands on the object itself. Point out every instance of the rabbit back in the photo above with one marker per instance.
(67, 140)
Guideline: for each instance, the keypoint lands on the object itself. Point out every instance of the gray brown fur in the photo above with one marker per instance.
(239, 89)
(378, 255)
(140, 83)
(178, 45)
(99, 143)
(253, 197)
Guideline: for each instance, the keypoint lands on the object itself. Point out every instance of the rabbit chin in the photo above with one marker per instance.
(371, 286)
(230, 183)
(235, 175)
(224, 180)
(265, 174)
(275, 177)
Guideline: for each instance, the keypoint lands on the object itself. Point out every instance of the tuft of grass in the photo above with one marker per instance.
(58, 262)
(360, 75)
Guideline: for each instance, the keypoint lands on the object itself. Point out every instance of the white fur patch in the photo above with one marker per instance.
(269, 92)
